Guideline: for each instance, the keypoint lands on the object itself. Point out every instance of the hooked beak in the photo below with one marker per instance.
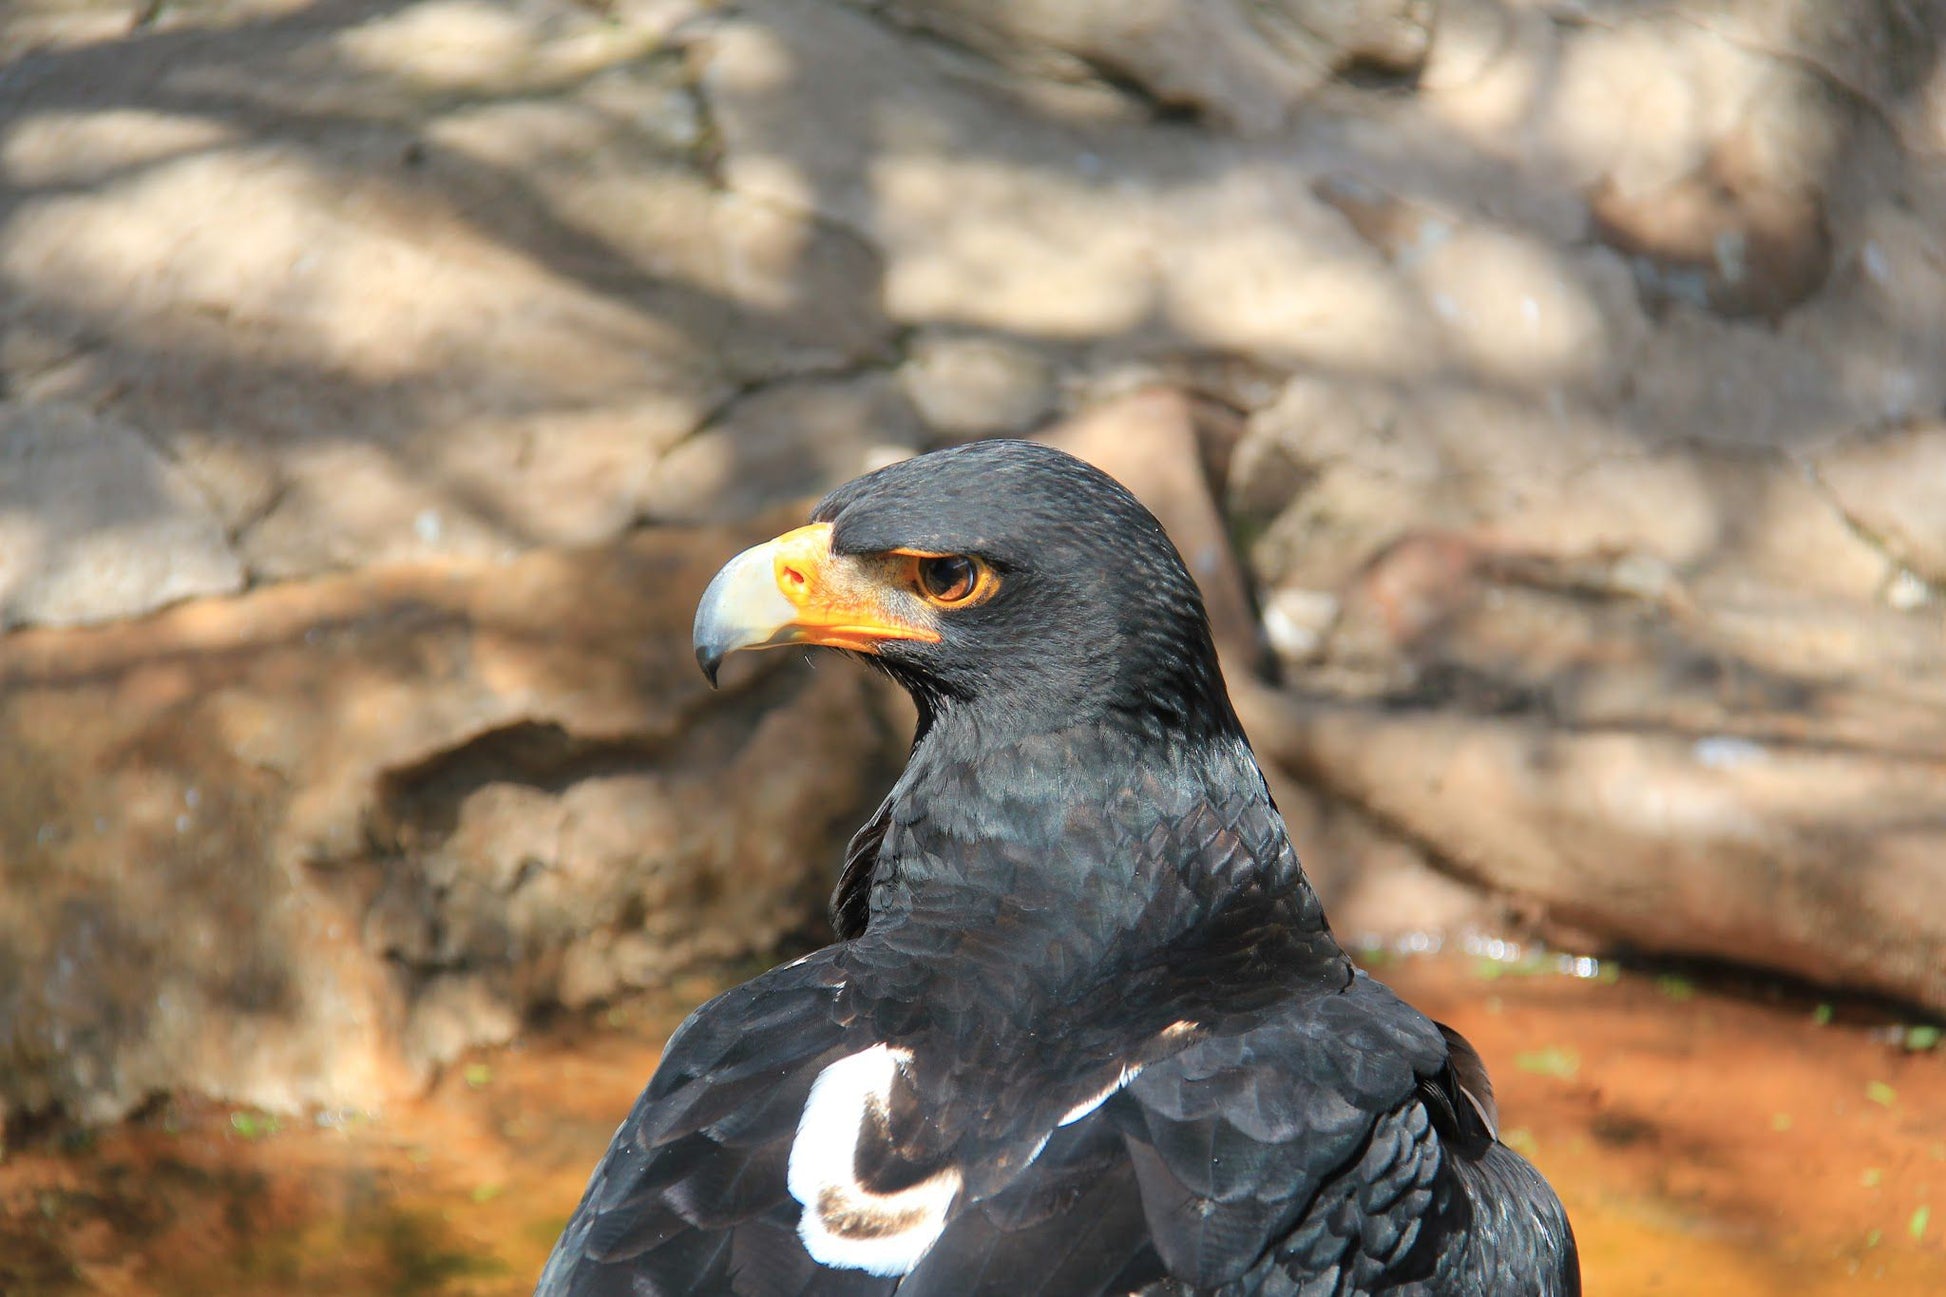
(794, 590)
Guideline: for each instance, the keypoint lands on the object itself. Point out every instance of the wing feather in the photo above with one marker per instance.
(1330, 1146)
(691, 1197)
(1298, 1149)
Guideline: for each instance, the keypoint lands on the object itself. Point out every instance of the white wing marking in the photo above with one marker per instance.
(848, 1225)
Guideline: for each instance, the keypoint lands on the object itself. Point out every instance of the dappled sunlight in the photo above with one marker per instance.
(434, 313)
(313, 273)
(92, 519)
(1488, 71)
(475, 47)
(613, 163)
(1283, 281)
(22, 558)
(1671, 111)
(1078, 267)
(1515, 310)
(69, 150)
(157, 243)
(1532, 476)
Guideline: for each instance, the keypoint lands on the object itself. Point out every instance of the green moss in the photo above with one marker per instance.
(1555, 1061)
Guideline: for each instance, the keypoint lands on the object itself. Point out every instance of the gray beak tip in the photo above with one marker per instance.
(742, 608)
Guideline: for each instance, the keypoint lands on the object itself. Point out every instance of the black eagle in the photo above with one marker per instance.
(1085, 1029)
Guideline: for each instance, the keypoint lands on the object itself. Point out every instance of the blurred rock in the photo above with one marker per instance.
(1694, 732)
(1775, 853)
(970, 386)
(1297, 622)
(1748, 123)
(1888, 485)
(1611, 673)
(1470, 38)
(95, 525)
(990, 216)
(301, 846)
(402, 282)
(1726, 236)
(783, 443)
(1246, 65)
(1363, 468)
(1510, 309)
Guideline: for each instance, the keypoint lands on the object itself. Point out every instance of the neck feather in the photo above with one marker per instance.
(1139, 839)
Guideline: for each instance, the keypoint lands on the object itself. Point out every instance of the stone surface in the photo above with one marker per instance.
(1888, 485)
(393, 282)
(991, 216)
(1766, 852)
(783, 443)
(971, 386)
(1724, 236)
(1247, 66)
(299, 847)
(94, 523)
(1728, 764)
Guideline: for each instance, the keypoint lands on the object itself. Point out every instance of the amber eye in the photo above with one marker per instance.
(948, 579)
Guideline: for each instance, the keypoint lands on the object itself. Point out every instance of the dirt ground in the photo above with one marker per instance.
(1740, 1141)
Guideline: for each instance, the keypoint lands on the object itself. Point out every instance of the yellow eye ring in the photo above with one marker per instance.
(951, 580)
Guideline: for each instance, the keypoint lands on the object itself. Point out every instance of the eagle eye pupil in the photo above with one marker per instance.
(948, 579)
